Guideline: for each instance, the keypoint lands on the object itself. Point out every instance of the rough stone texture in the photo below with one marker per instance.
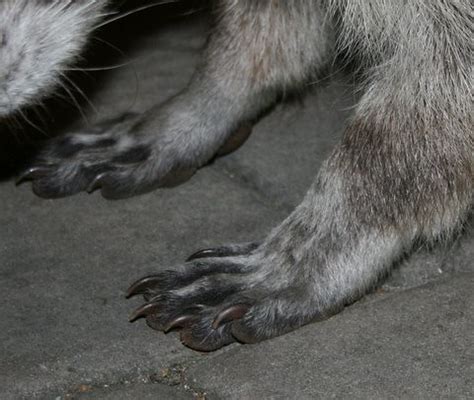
(66, 263)
(138, 391)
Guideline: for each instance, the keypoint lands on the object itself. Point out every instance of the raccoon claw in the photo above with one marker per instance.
(179, 322)
(144, 310)
(237, 139)
(231, 313)
(142, 285)
(96, 183)
(206, 253)
(176, 177)
(223, 251)
(32, 173)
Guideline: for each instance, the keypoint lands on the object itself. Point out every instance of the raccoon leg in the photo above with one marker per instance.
(256, 50)
(403, 171)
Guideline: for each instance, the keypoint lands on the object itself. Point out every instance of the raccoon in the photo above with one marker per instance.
(403, 171)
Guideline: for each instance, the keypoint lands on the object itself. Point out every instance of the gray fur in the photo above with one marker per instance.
(403, 172)
(38, 40)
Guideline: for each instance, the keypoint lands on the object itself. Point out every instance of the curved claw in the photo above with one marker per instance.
(206, 253)
(236, 140)
(180, 322)
(231, 313)
(144, 310)
(176, 177)
(96, 183)
(142, 285)
(224, 251)
(32, 173)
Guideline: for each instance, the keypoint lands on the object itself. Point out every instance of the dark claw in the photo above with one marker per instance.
(144, 310)
(142, 285)
(177, 177)
(206, 253)
(96, 183)
(235, 140)
(224, 251)
(179, 322)
(231, 313)
(32, 173)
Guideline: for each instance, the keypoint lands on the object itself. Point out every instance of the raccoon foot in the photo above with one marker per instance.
(118, 159)
(223, 295)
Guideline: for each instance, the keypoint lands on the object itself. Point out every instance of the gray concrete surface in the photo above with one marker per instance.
(65, 265)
